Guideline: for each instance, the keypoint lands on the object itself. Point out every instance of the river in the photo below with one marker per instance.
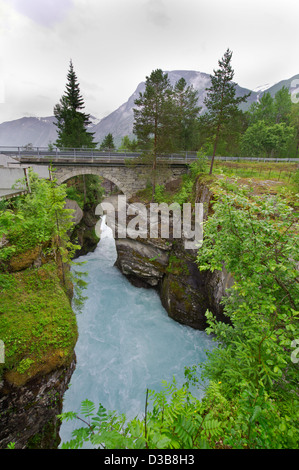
(127, 343)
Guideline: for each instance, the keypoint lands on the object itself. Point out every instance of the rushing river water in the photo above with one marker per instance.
(127, 343)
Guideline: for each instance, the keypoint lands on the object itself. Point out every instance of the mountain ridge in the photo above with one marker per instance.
(41, 131)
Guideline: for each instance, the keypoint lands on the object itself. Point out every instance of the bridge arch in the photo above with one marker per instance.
(63, 177)
(128, 179)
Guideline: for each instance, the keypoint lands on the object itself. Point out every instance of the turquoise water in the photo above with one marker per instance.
(127, 343)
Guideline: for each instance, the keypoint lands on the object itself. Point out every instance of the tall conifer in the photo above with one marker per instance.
(71, 121)
(221, 100)
(154, 120)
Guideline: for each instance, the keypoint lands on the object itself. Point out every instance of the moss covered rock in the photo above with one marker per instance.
(37, 324)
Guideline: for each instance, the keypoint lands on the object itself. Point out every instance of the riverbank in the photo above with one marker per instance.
(38, 328)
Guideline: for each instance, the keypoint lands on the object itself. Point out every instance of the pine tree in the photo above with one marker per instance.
(221, 100)
(108, 142)
(187, 109)
(71, 121)
(154, 119)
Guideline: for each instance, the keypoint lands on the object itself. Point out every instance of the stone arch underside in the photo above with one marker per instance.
(70, 173)
(128, 180)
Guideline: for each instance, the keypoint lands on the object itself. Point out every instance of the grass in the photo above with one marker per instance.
(37, 324)
(261, 170)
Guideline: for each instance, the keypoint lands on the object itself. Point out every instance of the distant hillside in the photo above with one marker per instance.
(42, 131)
(291, 84)
(28, 130)
(120, 121)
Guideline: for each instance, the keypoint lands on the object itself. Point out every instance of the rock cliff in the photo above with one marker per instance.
(186, 293)
(165, 264)
(28, 414)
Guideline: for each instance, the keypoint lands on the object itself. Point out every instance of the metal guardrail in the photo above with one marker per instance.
(84, 155)
(111, 155)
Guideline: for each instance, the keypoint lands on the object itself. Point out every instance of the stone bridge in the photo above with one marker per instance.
(114, 167)
(129, 180)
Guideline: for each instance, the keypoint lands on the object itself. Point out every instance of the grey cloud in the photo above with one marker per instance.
(46, 12)
(156, 12)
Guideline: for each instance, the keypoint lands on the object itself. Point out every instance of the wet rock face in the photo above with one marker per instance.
(144, 261)
(84, 232)
(186, 293)
(29, 413)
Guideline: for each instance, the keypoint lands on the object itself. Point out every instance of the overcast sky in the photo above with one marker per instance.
(115, 44)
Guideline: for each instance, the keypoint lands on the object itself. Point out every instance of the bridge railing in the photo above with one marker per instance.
(79, 154)
(88, 155)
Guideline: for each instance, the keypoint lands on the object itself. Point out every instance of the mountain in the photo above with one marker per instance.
(291, 84)
(28, 130)
(37, 131)
(42, 131)
(120, 121)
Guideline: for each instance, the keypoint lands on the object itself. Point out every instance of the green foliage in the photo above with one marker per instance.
(185, 191)
(11, 445)
(165, 120)
(78, 286)
(186, 115)
(262, 140)
(152, 114)
(37, 323)
(262, 110)
(256, 239)
(199, 166)
(24, 365)
(108, 142)
(39, 218)
(294, 122)
(180, 197)
(128, 144)
(272, 127)
(174, 420)
(271, 110)
(296, 179)
(85, 189)
(221, 101)
(159, 193)
(70, 120)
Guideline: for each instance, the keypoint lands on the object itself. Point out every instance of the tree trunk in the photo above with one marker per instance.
(84, 188)
(214, 150)
(154, 162)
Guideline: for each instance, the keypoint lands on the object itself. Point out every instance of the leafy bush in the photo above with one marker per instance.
(256, 239)
(174, 421)
(38, 218)
(159, 193)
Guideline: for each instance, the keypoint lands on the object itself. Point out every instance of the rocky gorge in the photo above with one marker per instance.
(166, 265)
(31, 399)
